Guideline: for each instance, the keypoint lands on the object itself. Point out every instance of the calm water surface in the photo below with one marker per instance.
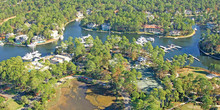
(189, 45)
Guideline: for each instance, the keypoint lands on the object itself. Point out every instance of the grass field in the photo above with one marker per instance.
(186, 71)
(12, 105)
(190, 106)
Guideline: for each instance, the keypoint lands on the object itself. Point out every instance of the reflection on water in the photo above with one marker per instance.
(189, 45)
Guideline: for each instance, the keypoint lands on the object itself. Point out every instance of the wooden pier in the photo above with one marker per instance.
(170, 47)
(195, 57)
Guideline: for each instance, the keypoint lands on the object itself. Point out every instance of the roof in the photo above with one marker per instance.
(151, 26)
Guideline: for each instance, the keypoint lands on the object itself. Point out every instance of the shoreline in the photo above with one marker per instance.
(139, 33)
(182, 36)
(207, 54)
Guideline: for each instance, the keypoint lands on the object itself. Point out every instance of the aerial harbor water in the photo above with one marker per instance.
(189, 45)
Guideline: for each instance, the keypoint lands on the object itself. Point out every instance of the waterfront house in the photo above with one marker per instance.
(55, 35)
(88, 11)
(38, 39)
(188, 12)
(175, 33)
(79, 14)
(106, 26)
(152, 29)
(142, 59)
(9, 35)
(92, 25)
(60, 59)
(21, 38)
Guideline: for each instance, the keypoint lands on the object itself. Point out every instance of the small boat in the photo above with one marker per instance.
(1, 43)
(141, 41)
(61, 37)
(150, 39)
(195, 29)
(175, 38)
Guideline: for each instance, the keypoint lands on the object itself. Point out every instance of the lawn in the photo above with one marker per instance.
(12, 105)
(197, 71)
(190, 106)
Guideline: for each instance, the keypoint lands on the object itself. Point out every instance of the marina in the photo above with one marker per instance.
(189, 45)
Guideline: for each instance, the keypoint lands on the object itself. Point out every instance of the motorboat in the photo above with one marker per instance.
(150, 39)
(141, 41)
(1, 43)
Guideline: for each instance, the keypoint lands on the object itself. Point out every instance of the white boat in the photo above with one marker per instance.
(141, 41)
(150, 39)
(1, 43)
(36, 54)
(33, 44)
(195, 29)
(28, 56)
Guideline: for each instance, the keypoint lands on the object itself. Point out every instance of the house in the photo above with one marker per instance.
(60, 59)
(188, 12)
(106, 26)
(38, 39)
(177, 13)
(21, 38)
(88, 11)
(55, 35)
(92, 25)
(142, 59)
(175, 33)
(79, 14)
(9, 35)
(152, 29)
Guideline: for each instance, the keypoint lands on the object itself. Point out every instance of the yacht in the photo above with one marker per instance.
(195, 29)
(150, 39)
(36, 54)
(28, 56)
(141, 41)
(1, 43)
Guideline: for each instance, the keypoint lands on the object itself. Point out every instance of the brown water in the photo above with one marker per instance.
(73, 98)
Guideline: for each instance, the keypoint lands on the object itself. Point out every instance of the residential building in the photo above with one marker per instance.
(9, 35)
(106, 26)
(175, 33)
(188, 12)
(60, 59)
(21, 38)
(79, 14)
(152, 29)
(92, 26)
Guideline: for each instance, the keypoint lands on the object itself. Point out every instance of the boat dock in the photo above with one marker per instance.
(195, 57)
(170, 47)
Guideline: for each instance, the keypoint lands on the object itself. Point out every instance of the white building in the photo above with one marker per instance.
(9, 35)
(175, 33)
(60, 59)
(55, 35)
(106, 26)
(21, 38)
(79, 14)
(92, 25)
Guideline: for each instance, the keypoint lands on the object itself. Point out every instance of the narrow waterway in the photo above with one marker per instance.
(189, 45)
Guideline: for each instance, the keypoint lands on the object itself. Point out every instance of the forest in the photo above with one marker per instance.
(39, 17)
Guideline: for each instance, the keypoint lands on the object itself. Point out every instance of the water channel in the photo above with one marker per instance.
(189, 45)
